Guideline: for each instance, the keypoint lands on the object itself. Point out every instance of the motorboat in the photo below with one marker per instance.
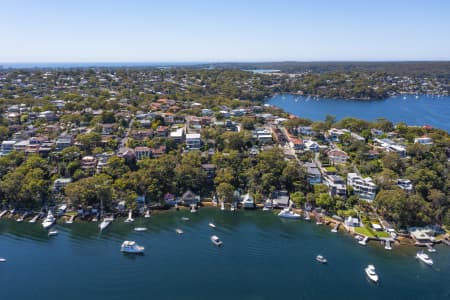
(370, 271)
(179, 231)
(222, 205)
(216, 241)
(53, 232)
(49, 220)
(2, 259)
(147, 214)
(334, 230)
(140, 229)
(193, 209)
(105, 223)
(130, 217)
(321, 259)
(185, 218)
(232, 208)
(431, 250)
(131, 247)
(424, 258)
(387, 245)
(288, 214)
(306, 216)
(212, 225)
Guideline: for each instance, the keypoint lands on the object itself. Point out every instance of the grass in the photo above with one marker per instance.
(364, 231)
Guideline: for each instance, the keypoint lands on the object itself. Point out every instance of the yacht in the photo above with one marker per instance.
(131, 247)
(424, 258)
(130, 217)
(179, 231)
(212, 225)
(216, 241)
(2, 259)
(53, 232)
(370, 271)
(321, 259)
(288, 214)
(105, 223)
(140, 229)
(49, 220)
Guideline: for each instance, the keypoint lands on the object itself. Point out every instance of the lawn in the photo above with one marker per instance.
(364, 231)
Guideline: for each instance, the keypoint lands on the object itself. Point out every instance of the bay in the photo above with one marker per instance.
(412, 110)
(263, 257)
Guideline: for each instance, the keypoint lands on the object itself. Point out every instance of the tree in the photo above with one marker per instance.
(116, 167)
(225, 191)
(298, 198)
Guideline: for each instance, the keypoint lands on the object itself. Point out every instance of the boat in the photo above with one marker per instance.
(147, 214)
(70, 221)
(185, 218)
(140, 229)
(232, 208)
(363, 241)
(21, 218)
(49, 220)
(431, 250)
(193, 209)
(105, 223)
(334, 230)
(370, 271)
(2, 259)
(306, 216)
(179, 231)
(319, 222)
(53, 232)
(212, 225)
(288, 214)
(216, 241)
(222, 205)
(130, 217)
(131, 247)
(321, 259)
(424, 258)
(387, 245)
(34, 219)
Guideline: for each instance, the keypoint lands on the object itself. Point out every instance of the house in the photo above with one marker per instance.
(423, 140)
(89, 164)
(60, 183)
(108, 128)
(405, 184)
(21, 146)
(170, 199)
(142, 152)
(314, 175)
(336, 186)
(63, 142)
(390, 146)
(189, 198)
(280, 199)
(305, 130)
(158, 151)
(7, 147)
(248, 202)
(311, 145)
(262, 135)
(337, 156)
(352, 222)
(141, 134)
(364, 188)
(296, 144)
(422, 236)
(162, 131)
(177, 135)
(193, 141)
(126, 153)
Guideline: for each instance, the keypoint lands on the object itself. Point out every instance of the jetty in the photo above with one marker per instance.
(3, 213)
(387, 245)
(21, 218)
(70, 221)
(34, 219)
(336, 227)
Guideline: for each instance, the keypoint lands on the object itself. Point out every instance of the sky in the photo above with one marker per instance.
(223, 30)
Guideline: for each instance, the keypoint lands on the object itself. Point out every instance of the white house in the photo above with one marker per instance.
(363, 187)
(193, 141)
(424, 140)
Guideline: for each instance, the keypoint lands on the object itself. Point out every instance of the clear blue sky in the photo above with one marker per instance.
(223, 30)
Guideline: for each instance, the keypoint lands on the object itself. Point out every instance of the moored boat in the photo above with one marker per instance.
(2, 259)
(212, 225)
(216, 241)
(140, 228)
(131, 247)
(288, 214)
(424, 258)
(130, 217)
(53, 232)
(179, 231)
(105, 223)
(49, 220)
(371, 274)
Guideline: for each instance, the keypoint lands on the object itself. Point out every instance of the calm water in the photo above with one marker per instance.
(431, 110)
(263, 257)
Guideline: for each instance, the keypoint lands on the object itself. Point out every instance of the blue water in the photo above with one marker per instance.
(263, 257)
(425, 110)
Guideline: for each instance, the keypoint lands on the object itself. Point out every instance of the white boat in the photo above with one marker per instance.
(34, 219)
(216, 241)
(431, 250)
(334, 230)
(179, 231)
(387, 245)
(147, 214)
(185, 218)
(53, 232)
(140, 229)
(130, 217)
(49, 220)
(193, 209)
(105, 223)
(321, 259)
(222, 205)
(212, 225)
(2, 259)
(288, 214)
(318, 222)
(131, 247)
(306, 216)
(363, 241)
(370, 271)
(232, 208)
(424, 258)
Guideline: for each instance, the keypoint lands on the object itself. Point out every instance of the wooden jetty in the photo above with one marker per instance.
(21, 218)
(34, 219)
(336, 227)
(70, 221)
(3, 213)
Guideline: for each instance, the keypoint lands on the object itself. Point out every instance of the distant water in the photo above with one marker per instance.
(59, 65)
(263, 257)
(424, 110)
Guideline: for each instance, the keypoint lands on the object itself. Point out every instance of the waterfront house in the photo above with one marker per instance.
(364, 188)
(352, 222)
(280, 199)
(422, 237)
(189, 198)
(247, 201)
(170, 199)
